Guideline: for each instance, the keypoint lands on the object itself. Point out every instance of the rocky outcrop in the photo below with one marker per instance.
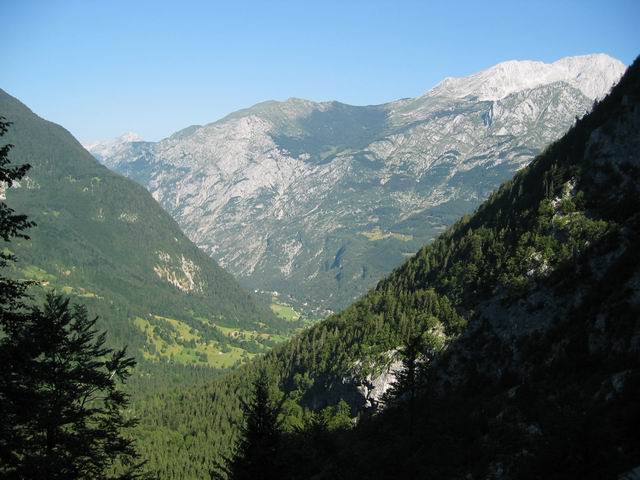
(363, 388)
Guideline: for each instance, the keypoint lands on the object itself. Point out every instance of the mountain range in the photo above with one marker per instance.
(529, 311)
(319, 200)
(103, 240)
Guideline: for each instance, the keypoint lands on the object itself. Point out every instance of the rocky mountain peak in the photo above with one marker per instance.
(593, 75)
(103, 149)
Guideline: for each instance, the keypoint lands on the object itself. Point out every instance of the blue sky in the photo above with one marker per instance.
(101, 68)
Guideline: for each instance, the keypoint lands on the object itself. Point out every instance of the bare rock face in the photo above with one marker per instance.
(363, 387)
(303, 197)
(374, 387)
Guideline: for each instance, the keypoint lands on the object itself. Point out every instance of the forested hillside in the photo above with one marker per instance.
(103, 240)
(529, 311)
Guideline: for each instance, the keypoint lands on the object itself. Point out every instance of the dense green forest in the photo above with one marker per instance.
(529, 314)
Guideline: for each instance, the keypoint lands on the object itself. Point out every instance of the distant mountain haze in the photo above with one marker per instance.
(319, 200)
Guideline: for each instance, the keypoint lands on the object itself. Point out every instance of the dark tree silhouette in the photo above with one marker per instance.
(406, 385)
(12, 225)
(12, 292)
(65, 404)
(256, 453)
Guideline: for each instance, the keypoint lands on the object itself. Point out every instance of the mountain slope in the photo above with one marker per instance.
(320, 200)
(103, 239)
(532, 310)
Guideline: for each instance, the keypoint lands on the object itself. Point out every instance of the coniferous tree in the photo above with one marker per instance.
(406, 385)
(256, 452)
(12, 292)
(60, 407)
(12, 226)
(416, 351)
(66, 408)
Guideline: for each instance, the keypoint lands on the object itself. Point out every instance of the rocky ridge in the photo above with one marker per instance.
(303, 197)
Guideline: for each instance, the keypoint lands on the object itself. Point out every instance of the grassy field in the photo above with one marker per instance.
(175, 340)
(79, 292)
(378, 234)
(171, 339)
(45, 279)
(37, 274)
(284, 310)
(251, 334)
(183, 344)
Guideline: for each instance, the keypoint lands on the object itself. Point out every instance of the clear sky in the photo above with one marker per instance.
(101, 68)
